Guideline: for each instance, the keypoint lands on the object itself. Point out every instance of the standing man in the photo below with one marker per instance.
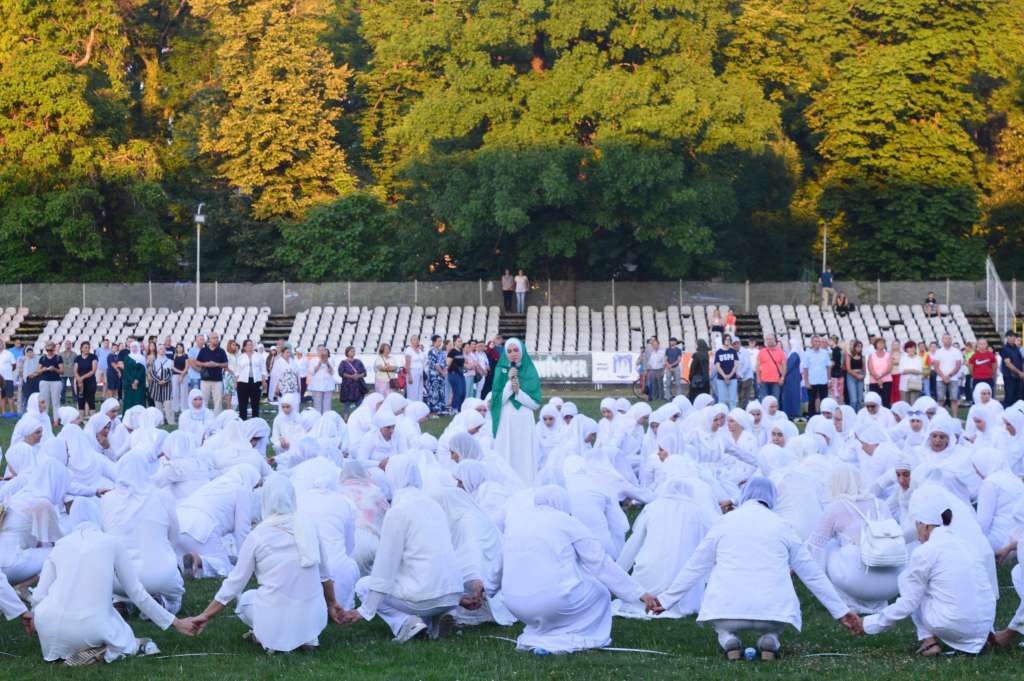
(508, 290)
(983, 365)
(654, 360)
(193, 367)
(744, 374)
(771, 369)
(51, 376)
(828, 291)
(7, 362)
(168, 348)
(1012, 368)
(102, 357)
(673, 368)
(816, 364)
(726, 364)
(212, 361)
(68, 356)
(946, 362)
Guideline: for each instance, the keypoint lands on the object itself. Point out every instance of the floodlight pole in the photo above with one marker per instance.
(200, 220)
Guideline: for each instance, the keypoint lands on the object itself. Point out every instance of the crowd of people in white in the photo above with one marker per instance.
(883, 514)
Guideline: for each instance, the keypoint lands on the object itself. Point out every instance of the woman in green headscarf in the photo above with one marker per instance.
(134, 378)
(514, 397)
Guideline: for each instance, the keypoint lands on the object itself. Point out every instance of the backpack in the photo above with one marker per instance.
(881, 541)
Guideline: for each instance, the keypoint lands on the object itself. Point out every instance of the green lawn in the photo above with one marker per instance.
(364, 651)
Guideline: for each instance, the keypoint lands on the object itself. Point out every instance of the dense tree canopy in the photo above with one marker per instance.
(352, 139)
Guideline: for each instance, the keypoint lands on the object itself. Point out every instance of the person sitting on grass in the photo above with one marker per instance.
(749, 555)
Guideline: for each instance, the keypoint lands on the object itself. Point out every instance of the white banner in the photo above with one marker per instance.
(614, 367)
(563, 367)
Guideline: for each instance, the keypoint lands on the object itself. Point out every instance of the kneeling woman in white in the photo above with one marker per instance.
(945, 589)
(415, 577)
(289, 607)
(73, 604)
(836, 543)
(749, 554)
(558, 579)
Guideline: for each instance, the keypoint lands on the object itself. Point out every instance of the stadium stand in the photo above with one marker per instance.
(366, 328)
(89, 324)
(891, 322)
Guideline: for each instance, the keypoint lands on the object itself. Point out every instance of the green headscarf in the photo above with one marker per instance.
(529, 382)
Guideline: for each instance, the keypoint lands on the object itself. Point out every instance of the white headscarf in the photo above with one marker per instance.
(132, 486)
(277, 506)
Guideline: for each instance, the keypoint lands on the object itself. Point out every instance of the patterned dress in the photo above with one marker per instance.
(433, 390)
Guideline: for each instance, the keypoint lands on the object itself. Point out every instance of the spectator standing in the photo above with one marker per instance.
(895, 355)
(673, 368)
(383, 370)
(967, 388)
(699, 375)
(522, 286)
(437, 377)
(456, 379)
(114, 371)
(482, 369)
(983, 363)
(726, 366)
(159, 374)
(654, 360)
(415, 365)
(911, 373)
(353, 381)
(102, 358)
(880, 372)
(17, 350)
(167, 348)
(282, 374)
(68, 375)
(321, 380)
(828, 290)
(730, 322)
(855, 376)
(837, 374)
(771, 362)
(508, 289)
(7, 364)
(51, 378)
(1012, 367)
(495, 349)
(211, 362)
(947, 362)
(194, 377)
(30, 373)
(252, 378)
(179, 381)
(744, 374)
(816, 364)
(929, 386)
(231, 375)
(85, 367)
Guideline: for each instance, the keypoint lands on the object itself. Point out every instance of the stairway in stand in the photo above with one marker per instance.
(748, 327)
(279, 327)
(512, 325)
(31, 328)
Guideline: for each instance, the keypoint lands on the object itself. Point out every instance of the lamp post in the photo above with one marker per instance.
(200, 219)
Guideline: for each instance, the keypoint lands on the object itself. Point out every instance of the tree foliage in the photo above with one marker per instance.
(362, 139)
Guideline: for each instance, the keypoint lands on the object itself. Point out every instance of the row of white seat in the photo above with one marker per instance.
(366, 328)
(891, 322)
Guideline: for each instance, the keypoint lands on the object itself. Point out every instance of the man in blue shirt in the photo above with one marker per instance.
(1012, 368)
(726, 363)
(828, 292)
(194, 377)
(816, 364)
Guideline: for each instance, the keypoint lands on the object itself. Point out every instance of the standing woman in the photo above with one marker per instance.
(284, 370)
(837, 374)
(792, 386)
(113, 382)
(415, 363)
(383, 370)
(880, 372)
(85, 378)
(895, 356)
(700, 370)
(911, 373)
(353, 380)
(514, 397)
(251, 373)
(522, 286)
(321, 380)
(437, 376)
(179, 371)
(134, 377)
(159, 376)
(231, 374)
(456, 376)
(855, 376)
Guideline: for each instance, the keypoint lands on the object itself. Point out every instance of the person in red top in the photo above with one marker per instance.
(771, 369)
(983, 365)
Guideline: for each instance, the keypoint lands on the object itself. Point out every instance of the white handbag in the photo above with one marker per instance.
(881, 541)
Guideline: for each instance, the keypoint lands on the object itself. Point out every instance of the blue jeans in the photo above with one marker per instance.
(458, 383)
(726, 392)
(854, 393)
(520, 301)
(766, 389)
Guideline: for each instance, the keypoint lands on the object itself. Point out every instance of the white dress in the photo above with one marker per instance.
(514, 441)
(73, 603)
(334, 517)
(945, 591)
(559, 581)
(204, 519)
(414, 381)
(287, 609)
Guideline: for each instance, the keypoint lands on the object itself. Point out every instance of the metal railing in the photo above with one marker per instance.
(998, 303)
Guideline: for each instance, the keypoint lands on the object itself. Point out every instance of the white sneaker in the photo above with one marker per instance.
(411, 627)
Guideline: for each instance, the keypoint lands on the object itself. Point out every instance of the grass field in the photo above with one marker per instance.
(364, 651)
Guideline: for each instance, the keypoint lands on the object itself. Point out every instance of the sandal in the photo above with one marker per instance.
(87, 657)
(931, 650)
